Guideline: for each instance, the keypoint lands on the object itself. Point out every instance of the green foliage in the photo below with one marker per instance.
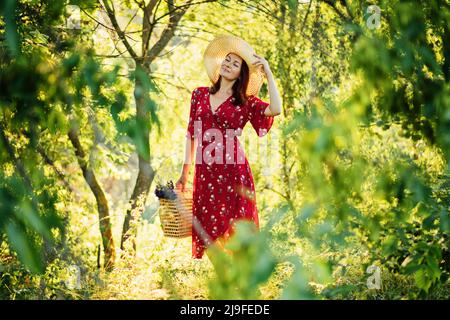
(364, 147)
(404, 64)
(41, 88)
(138, 126)
(390, 207)
(249, 266)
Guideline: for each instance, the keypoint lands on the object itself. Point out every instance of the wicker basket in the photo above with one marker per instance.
(176, 215)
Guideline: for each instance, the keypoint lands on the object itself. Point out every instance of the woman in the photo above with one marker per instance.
(223, 188)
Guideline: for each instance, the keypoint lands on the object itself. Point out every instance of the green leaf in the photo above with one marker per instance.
(422, 279)
(7, 10)
(306, 212)
(298, 286)
(26, 250)
(389, 245)
(32, 219)
(276, 215)
(293, 4)
(444, 218)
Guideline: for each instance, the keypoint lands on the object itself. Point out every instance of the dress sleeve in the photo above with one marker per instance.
(192, 112)
(260, 122)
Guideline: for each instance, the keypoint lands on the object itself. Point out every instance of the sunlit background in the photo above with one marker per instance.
(352, 182)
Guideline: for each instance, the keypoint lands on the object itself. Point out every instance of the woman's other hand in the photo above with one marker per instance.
(181, 183)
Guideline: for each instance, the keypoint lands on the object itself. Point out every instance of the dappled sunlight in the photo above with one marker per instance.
(339, 189)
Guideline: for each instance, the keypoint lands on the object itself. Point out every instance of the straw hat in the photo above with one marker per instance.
(218, 49)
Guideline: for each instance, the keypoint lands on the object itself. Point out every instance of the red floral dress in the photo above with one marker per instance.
(223, 188)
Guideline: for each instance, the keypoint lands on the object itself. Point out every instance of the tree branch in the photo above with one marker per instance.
(120, 33)
(105, 26)
(52, 164)
(332, 4)
(347, 7)
(148, 24)
(173, 8)
(167, 33)
(282, 195)
(18, 164)
(269, 15)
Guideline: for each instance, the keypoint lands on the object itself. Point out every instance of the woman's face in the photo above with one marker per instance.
(231, 66)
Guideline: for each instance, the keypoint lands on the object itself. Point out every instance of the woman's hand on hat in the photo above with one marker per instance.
(261, 61)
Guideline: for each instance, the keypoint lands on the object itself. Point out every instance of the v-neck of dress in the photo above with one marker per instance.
(218, 107)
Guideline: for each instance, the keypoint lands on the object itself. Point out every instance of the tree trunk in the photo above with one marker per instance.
(143, 62)
(145, 174)
(102, 204)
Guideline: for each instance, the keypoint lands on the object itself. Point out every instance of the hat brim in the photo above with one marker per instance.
(218, 49)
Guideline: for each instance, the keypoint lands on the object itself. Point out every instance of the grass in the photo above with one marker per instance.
(163, 269)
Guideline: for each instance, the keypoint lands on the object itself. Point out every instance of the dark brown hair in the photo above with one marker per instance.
(239, 86)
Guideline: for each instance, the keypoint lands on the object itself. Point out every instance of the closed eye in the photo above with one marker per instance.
(228, 59)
